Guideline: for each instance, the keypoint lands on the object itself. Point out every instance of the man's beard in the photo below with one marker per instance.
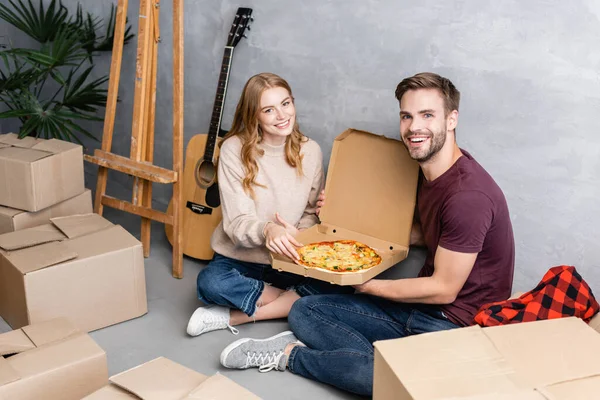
(437, 141)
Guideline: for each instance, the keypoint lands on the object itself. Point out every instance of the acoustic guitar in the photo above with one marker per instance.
(201, 202)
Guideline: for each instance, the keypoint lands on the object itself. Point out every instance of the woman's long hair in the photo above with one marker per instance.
(245, 126)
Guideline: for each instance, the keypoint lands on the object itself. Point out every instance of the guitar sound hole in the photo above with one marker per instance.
(334, 231)
(205, 173)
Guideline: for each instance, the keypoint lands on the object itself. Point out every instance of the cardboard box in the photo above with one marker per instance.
(163, 379)
(36, 173)
(82, 267)
(550, 359)
(12, 219)
(371, 195)
(51, 360)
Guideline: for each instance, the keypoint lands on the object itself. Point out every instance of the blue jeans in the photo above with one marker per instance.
(239, 284)
(339, 331)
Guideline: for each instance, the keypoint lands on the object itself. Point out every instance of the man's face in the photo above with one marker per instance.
(423, 123)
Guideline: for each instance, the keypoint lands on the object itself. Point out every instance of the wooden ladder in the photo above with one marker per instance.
(139, 163)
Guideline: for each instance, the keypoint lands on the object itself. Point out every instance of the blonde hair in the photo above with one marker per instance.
(245, 126)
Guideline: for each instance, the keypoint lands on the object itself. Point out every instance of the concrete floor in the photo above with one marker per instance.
(171, 302)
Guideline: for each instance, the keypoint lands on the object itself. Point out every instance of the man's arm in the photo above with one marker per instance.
(452, 269)
(466, 219)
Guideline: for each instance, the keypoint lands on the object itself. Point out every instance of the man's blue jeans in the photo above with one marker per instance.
(239, 284)
(339, 331)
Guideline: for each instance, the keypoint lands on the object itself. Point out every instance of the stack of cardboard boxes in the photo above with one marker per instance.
(65, 271)
(58, 259)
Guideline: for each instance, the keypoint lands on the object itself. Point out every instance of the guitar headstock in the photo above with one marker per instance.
(241, 23)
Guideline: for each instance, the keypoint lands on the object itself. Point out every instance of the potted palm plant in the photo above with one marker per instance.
(50, 88)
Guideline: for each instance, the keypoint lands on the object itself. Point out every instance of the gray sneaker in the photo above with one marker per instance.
(266, 354)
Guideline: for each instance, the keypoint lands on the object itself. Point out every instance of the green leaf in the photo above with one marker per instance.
(85, 97)
(107, 41)
(40, 24)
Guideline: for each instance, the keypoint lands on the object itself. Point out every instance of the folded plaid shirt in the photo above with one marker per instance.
(561, 293)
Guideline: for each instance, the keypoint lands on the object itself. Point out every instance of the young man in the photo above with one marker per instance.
(463, 221)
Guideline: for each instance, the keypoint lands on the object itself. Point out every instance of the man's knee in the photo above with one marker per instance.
(302, 312)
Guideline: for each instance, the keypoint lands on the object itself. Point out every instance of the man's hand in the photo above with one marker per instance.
(320, 201)
(369, 287)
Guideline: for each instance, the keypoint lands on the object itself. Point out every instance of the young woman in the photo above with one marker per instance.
(270, 176)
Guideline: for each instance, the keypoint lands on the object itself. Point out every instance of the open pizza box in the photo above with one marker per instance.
(370, 197)
(553, 359)
(163, 379)
(38, 173)
(51, 360)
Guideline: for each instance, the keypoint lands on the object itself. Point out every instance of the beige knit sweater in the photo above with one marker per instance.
(240, 233)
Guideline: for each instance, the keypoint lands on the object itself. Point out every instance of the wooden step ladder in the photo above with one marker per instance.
(140, 162)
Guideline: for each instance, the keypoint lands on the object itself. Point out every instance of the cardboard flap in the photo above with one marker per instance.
(15, 342)
(371, 187)
(111, 392)
(548, 351)
(45, 255)
(7, 373)
(586, 388)
(525, 394)
(22, 154)
(460, 362)
(50, 331)
(79, 225)
(12, 139)
(55, 146)
(159, 379)
(220, 387)
(10, 212)
(30, 237)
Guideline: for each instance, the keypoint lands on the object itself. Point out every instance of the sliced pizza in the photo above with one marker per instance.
(339, 256)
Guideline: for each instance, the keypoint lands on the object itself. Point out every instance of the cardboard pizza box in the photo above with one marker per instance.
(163, 379)
(370, 192)
(549, 359)
(37, 173)
(82, 267)
(51, 360)
(12, 219)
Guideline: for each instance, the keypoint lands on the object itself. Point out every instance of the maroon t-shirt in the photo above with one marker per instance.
(464, 210)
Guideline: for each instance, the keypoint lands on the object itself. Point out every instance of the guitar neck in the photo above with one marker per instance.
(217, 114)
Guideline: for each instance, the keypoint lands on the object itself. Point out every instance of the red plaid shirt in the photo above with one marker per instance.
(561, 293)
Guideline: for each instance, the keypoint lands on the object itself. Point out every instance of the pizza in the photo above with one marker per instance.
(339, 256)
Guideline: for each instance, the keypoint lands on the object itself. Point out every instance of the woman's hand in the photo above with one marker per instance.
(291, 229)
(280, 238)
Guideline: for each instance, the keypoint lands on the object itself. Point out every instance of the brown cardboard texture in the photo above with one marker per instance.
(51, 360)
(370, 197)
(12, 219)
(531, 360)
(82, 267)
(163, 379)
(36, 173)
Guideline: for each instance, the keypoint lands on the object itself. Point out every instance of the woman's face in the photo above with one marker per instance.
(276, 116)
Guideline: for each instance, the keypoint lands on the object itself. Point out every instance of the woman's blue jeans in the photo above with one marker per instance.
(239, 284)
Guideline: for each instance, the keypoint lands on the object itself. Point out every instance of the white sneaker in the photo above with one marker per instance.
(266, 354)
(206, 319)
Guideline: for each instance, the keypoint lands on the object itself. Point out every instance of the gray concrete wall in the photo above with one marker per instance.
(528, 73)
